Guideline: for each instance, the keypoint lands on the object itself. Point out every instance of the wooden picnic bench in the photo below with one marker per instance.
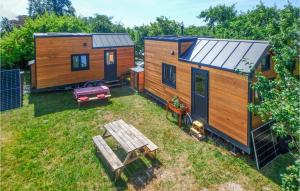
(134, 143)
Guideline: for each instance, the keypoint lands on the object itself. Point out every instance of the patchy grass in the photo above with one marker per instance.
(47, 145)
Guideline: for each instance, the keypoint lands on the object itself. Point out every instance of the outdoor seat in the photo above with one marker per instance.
(101, 96)
(83, 98)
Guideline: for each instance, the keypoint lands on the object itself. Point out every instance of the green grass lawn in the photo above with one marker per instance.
(47, 145)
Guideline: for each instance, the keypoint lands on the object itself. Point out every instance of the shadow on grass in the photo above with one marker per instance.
(139, 173)
(52, 102)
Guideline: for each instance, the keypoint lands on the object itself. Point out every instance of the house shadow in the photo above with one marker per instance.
(57, 101)
(138, 173)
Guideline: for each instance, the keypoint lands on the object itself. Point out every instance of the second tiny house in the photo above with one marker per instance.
(212, 77)
(63, 59)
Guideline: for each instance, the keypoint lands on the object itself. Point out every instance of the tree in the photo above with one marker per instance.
(103, 24)
(59, 7)
(164, 26)
(17, 47)
(220, 14)
(5, 25)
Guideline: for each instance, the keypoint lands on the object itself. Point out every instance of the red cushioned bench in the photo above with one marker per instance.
(83, 95)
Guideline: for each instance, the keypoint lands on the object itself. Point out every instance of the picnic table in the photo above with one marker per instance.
(91, 93)
(134, 143)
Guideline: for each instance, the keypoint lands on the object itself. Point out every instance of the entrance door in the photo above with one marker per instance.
(200, 94)
(110, 65)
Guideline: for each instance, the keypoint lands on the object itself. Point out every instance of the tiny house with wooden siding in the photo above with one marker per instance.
(212, 77)
(70, 58)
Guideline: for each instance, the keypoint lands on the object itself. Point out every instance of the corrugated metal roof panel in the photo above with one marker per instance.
(111, 40)
(251, 57)
(192, 52)
(214, 52)
(227, 54)
(203, 52)
(237, 55)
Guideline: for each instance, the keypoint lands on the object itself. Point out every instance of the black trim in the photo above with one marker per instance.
(39, 35)
(215, 67)
(80, 68)
(35, 62)
(249, 124)
(171, 38)
(267, 65)
(164, 66)
(241, 146)
(157, 99)
(126, 46)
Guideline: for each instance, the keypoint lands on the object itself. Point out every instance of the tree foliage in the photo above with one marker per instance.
(17, 47)
(218, 15)
(5, 26)
(59, 7)
(103, 24)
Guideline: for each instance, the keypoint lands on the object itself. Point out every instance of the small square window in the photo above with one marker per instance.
(266, 63)
(169, 75)
(79, 62)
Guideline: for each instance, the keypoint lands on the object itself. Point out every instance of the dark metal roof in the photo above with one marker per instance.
(171, 38)
(100, 40)
(227, 54)
(111, 40)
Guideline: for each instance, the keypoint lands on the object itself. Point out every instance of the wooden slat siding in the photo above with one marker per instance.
(141, 81)
(107, 153)
(228, 91)
(256, 120)
(33, 79)
(53, 61)
(185, 46)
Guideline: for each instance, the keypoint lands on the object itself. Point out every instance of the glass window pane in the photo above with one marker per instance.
(83, 61)
(75, 62)
(110, 58)
(200, 84)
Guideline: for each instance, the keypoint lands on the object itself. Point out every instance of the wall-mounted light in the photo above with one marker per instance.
(172, 52)
(85, 44)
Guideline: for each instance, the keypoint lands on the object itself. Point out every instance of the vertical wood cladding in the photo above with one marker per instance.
(228, 91)
(53, 60)
(32, 72)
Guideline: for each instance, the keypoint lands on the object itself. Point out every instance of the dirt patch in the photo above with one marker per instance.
(171, 177)
(229, 186)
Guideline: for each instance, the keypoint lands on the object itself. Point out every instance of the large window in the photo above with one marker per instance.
(79, 62)
(169, 75)
(266, 63)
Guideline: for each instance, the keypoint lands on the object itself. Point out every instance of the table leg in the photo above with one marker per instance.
(106, 134)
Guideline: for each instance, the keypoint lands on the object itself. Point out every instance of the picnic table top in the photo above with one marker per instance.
(91, 90)
(128, 136)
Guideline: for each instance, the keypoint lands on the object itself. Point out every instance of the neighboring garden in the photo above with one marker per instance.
(47, 143)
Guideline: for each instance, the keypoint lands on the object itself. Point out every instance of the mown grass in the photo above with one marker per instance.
(46, 145)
